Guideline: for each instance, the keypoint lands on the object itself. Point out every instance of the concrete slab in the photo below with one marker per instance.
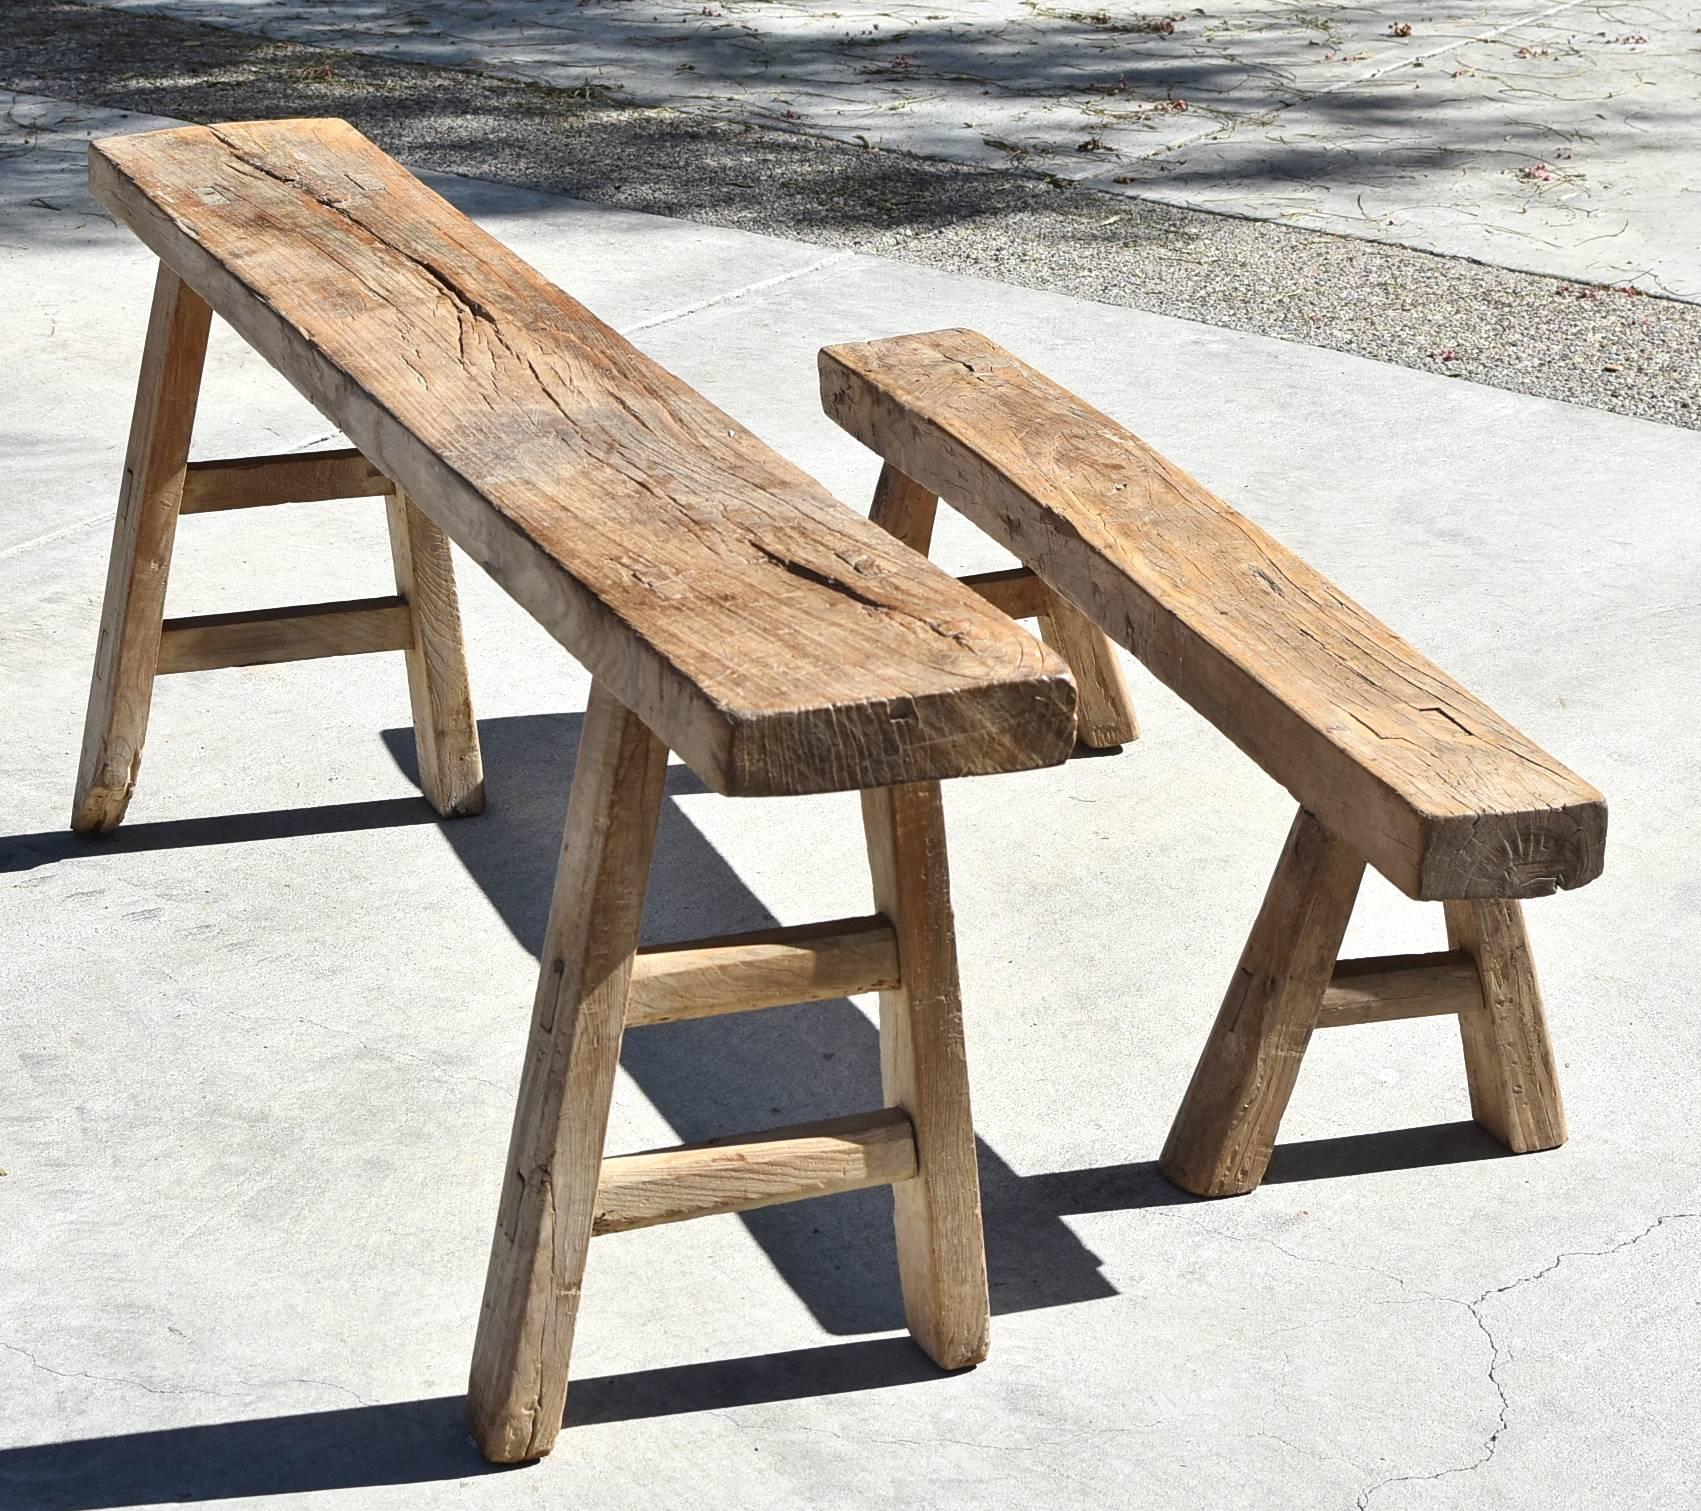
(1543, 136)
(264, 1042)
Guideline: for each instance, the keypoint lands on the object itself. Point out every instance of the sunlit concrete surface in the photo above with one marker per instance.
(260, 1048)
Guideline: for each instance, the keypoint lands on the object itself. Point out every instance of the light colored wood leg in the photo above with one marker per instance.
(127, 654)
(941, 1251)
(902, 507)
(451, 771)
(1225, 1130)
(518, 1389)
(1508, 1056)
(1106, 712)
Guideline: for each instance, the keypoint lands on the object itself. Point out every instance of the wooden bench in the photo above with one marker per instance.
(727, 608)
(1391, 761)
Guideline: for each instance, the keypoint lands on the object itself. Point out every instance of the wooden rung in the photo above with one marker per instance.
(770, 968)
(254, 482)
(1016, 592)
(304, 632)
(755, 1170)
(1381, 989)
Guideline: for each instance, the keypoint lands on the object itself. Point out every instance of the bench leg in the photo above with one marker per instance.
(1106, 711)
(902, 507)
(924, 1070)
(445, 732)
(1508, 1056)
(1225, 1131)
(518, 1389)
(127, 654)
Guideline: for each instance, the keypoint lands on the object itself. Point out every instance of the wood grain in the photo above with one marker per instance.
(738, 973)
(300, 632)
(127, 653)
(1104, 710)
(518, 1388)
(771, 636)
(1388, 988)
(451, 769)
(1440, 793)
(753, 1170)
(256, 482)
(1508, 1055)
(924, 1070)
(1223, 1135)
(1015, 591)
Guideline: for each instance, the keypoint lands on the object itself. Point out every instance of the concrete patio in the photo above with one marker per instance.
(262, 1045)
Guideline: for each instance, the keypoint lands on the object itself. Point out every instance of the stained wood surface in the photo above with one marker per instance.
(773, 637)
(1509, 1060)
(769, 968)
(127, 653)
(451, 769)
(1438, 791)
(253, 482)
(518, 1388)
(300, 632)
(754, 1170)
(1387, 988)
(1225, 1131)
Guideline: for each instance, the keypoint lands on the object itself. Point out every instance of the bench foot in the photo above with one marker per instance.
(1508, 1055)
(451, 771)
(1106, 711)
(1105, 717)
(1225, 1131)
(561, 1190)
(924, 1070)
(127, 654)
(138, 643)
(1289, 982)
(518, 1387)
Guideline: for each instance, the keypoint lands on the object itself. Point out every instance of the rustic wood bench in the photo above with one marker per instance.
(727, 608)
(1392, 761)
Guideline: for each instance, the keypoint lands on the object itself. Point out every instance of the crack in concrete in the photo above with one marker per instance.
(1491, 1444)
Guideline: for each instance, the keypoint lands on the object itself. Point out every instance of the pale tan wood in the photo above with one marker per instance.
(1016, 592)
(127, 654)
(301, 632)
(518, 1388)
(774, 638)
(1105, 712)
(1440, 793)
(1509, 1060)
(451, 771)
(256, 482)
(1387, 988)
(703, 978)
(924, 1070)
(1223, 1135)
(753, 1170)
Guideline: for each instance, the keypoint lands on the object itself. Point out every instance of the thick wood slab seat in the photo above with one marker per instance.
(1431, 786)
(774, 638)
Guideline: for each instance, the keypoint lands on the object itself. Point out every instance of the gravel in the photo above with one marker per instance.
(1614, 349)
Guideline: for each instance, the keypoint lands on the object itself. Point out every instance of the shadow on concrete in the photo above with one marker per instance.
(1377, 1153)
(752, 1070)
(412, 1442)
(708, 1077)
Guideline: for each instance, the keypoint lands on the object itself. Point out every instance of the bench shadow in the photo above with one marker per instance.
(411, 1442)
(751, 1070)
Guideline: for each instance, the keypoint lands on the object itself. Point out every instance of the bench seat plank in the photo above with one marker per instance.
(1436, 790)
(774, 638)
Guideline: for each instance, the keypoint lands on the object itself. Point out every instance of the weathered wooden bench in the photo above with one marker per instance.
(727, 608)
(1392, 761)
